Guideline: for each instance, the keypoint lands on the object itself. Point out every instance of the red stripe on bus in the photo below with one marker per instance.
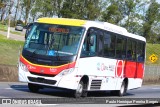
(42, 69)
(133, 69)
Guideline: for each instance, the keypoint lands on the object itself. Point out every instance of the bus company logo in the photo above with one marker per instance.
(111, 67)
(41, 71)
(119, 68)
(101, 67)
(53, 69)
(31, 67)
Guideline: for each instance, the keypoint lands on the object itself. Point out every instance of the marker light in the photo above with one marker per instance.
(23, 66)
(65, 72)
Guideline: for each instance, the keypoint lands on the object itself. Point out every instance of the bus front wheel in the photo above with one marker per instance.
(80, 91)
(33, 88)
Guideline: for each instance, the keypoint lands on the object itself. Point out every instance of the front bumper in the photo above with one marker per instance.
(69, 81)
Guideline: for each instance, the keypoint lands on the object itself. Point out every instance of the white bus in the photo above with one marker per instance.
(82, 56)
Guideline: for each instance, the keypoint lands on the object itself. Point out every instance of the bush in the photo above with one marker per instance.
(13, 23)
(20, 22)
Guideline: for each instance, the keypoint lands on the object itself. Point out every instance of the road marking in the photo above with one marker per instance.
(156, 88)
(46, 104)
(18, 88)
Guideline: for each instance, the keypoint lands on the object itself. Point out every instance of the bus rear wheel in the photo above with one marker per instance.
(33, 88)
(122, 90)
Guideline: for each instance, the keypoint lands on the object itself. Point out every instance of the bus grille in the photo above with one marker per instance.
(42, 80)
(46, 75)
(96, 84)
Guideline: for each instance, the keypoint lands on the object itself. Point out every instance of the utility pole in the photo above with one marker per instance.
(9, 20)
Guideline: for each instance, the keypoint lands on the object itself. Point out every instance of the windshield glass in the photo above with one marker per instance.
(53, 40)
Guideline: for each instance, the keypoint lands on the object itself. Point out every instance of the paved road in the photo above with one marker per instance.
(20, 90)
(15, 36)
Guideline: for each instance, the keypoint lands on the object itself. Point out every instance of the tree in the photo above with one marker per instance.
(81, 9)
(58, 6)
(112, 14)
(17, 6)
(151, 16)
(3, 6)
(125, 13)
(26, 6)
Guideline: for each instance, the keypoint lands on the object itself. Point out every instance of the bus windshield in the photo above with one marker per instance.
(53, 40)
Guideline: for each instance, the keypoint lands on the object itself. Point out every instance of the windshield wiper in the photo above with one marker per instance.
(36, 49)
(34, 52)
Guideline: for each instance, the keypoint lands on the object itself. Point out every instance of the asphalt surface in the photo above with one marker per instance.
(15, 36)
(20, 91)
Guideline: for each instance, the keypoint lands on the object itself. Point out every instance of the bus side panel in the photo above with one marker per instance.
(130, 69)
(134, 83)
(134, 72)
(110, 83)
(140, 70)
(98, 69)
(119, 83)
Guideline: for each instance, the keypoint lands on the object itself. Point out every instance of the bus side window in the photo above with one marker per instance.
(140, 51)
(89, 47)
(109, 44)
(93, 45)
(120, 47)
(131, 50)
(100, 45)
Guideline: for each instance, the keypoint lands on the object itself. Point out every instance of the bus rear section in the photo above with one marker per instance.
(113, 61)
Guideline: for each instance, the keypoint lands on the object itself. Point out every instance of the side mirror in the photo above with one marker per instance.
(91, 41)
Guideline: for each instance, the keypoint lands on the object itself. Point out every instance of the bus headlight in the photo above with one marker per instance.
(23, 66)
(65, 72)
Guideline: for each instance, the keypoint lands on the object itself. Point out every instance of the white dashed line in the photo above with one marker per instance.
(18, 88)
(156, 88)
(46, 105)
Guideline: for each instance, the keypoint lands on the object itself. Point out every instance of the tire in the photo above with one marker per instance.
(33, 88)
(80, 91)
(85, 92)
(123, 89)
(120, 92)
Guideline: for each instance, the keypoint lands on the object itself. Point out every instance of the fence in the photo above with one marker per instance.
(152, 74)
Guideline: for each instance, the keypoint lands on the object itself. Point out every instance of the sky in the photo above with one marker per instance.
(22, 16)
(158, 1)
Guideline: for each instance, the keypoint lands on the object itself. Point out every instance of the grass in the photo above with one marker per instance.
(3, 27)
(9, 50)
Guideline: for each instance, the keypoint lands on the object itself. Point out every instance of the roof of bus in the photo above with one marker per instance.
(103, 25)
(62, 21)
